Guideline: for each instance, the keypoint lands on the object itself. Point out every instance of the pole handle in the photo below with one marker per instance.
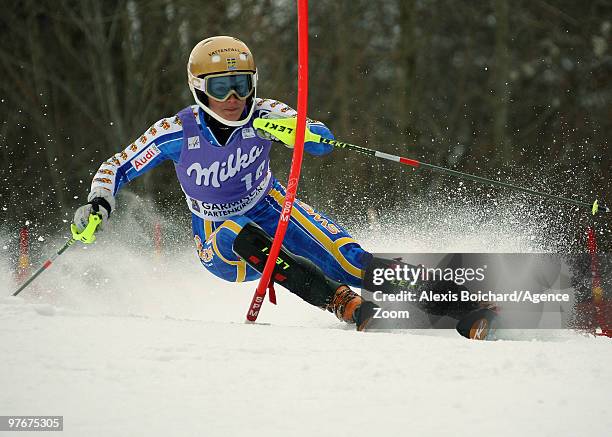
(88, 234)
(284, 129)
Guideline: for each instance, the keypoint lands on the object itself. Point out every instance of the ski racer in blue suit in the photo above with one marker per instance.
(222, 164)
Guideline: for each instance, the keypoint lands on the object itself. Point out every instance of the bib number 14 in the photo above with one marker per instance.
(248, 178)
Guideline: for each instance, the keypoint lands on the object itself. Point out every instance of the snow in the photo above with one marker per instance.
(122, 342)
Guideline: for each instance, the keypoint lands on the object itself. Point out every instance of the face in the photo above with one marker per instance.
(231, 109)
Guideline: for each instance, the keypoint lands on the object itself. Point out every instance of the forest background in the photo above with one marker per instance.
(518, 91)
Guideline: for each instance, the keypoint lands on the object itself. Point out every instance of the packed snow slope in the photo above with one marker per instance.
(123, 342)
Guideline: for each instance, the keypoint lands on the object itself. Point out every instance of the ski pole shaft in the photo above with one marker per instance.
(594, 207)
(284, 130)
(87, 235)
(45, 266)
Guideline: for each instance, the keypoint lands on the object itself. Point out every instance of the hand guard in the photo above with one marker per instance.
(267, 135)
(100, 203)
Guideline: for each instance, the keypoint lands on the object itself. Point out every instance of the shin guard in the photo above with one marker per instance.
(296, 273)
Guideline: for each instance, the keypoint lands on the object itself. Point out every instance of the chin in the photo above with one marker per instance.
(234, 117)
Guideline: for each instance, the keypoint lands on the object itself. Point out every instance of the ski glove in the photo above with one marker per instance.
(99, 202)
(314, 148)
(267, 135)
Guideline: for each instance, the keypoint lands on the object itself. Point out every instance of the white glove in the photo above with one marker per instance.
(100, 202)
(267, 135)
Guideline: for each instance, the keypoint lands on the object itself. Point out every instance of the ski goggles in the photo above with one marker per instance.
(222, 86)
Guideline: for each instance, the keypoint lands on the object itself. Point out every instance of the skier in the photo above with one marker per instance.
(222, 164)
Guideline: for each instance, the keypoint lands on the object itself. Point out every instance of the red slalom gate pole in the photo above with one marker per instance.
(296, 165)
(23, 269)
(601, 309)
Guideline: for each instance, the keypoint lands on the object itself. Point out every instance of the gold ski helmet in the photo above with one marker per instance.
(219, 67)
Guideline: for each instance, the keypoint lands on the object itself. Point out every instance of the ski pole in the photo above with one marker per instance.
(284, 130)
(87, 236)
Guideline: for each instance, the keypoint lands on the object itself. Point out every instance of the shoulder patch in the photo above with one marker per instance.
(193, 143)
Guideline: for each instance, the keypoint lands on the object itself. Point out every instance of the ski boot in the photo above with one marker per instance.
(349, 307)
(479, 324)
